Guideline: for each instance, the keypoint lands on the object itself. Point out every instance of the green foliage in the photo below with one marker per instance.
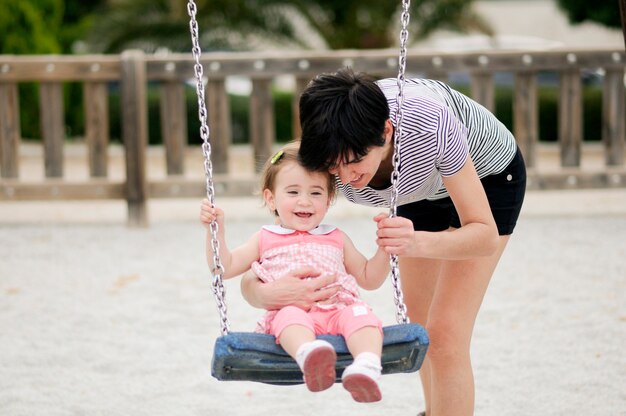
(29, 110)
(30, 26)
(30, 113)
(223, 25)
(44, 26)
(78, 19)
(605, 12)
(366, 24)
(247, 25)
(284, 112)
(240, 117)
(58, 26)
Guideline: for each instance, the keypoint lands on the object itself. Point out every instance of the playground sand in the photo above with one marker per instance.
(100, 319)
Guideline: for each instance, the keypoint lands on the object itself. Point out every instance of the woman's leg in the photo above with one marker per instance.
(458, 294)
(419, 277)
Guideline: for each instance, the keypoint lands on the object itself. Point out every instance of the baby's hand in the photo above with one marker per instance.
(209, 214)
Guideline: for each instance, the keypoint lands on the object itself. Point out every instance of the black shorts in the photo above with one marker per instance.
(505, 192)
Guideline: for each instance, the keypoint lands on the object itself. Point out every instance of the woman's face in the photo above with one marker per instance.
(358, 172)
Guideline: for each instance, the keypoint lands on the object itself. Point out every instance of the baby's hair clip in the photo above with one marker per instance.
(277, 157)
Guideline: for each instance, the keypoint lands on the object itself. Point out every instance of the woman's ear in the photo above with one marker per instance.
(388, 132)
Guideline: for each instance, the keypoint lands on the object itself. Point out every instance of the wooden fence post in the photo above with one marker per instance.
(526, 115)
(483, 89)
(9, 130)
(174, 125)
(218, 108)
(262, 130)
(135, 134)
(570, 118)
(96, 104)
(613, 117)
(52, 127)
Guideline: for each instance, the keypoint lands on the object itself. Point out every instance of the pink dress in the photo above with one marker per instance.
(283, 250)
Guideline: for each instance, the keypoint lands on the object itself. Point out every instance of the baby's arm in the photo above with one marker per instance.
(235, 262)
(369, 274)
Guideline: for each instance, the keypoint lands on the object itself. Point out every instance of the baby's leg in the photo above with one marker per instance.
(295, 331)
(363, 333)
(362, 329)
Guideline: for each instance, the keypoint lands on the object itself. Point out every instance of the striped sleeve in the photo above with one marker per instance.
(452, 143)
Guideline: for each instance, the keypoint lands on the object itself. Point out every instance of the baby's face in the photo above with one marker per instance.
(300, 197)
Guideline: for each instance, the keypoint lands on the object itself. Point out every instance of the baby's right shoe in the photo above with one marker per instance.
(317, 360)
(361, 378)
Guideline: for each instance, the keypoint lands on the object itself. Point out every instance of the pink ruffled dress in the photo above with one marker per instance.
(283, 250)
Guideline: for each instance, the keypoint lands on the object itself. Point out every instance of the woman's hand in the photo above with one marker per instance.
(396, 235)
(302, 288)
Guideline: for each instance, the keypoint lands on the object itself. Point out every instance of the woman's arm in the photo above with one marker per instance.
(477, 237)
(293, 289)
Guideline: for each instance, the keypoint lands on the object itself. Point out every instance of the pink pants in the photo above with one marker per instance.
(335, 322)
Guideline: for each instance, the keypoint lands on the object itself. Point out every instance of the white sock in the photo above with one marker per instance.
(368, 357)
(366, 363)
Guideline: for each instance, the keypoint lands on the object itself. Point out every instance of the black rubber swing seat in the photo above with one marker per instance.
(250, 356)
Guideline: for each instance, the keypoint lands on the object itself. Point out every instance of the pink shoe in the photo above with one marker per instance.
(360, 379)
(319, 366)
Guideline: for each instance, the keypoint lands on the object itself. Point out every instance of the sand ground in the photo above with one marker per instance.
(100, 319)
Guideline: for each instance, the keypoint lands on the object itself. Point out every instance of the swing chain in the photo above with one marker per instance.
(218, 270)
(401, 311)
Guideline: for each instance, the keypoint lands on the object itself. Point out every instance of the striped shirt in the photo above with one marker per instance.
(440, 128)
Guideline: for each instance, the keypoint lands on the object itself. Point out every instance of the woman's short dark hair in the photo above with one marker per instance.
(342, 116)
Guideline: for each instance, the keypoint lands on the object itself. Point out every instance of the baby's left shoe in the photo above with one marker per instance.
(361, 378)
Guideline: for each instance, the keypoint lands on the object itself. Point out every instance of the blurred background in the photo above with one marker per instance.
(161, 27)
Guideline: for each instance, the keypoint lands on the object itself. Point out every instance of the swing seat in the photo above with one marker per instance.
(256, 357)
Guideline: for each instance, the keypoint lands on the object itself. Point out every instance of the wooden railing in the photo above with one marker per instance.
(133, 70)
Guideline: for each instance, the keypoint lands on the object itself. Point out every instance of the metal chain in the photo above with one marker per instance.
(401, 315)
(218, 269)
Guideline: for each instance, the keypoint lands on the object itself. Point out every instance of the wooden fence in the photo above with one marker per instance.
(133, 70)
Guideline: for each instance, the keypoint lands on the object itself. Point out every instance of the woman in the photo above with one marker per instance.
(461, 188)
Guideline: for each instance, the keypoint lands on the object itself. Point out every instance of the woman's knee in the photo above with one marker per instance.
(447, 341)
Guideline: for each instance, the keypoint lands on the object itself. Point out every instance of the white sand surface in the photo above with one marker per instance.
(100, 319)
